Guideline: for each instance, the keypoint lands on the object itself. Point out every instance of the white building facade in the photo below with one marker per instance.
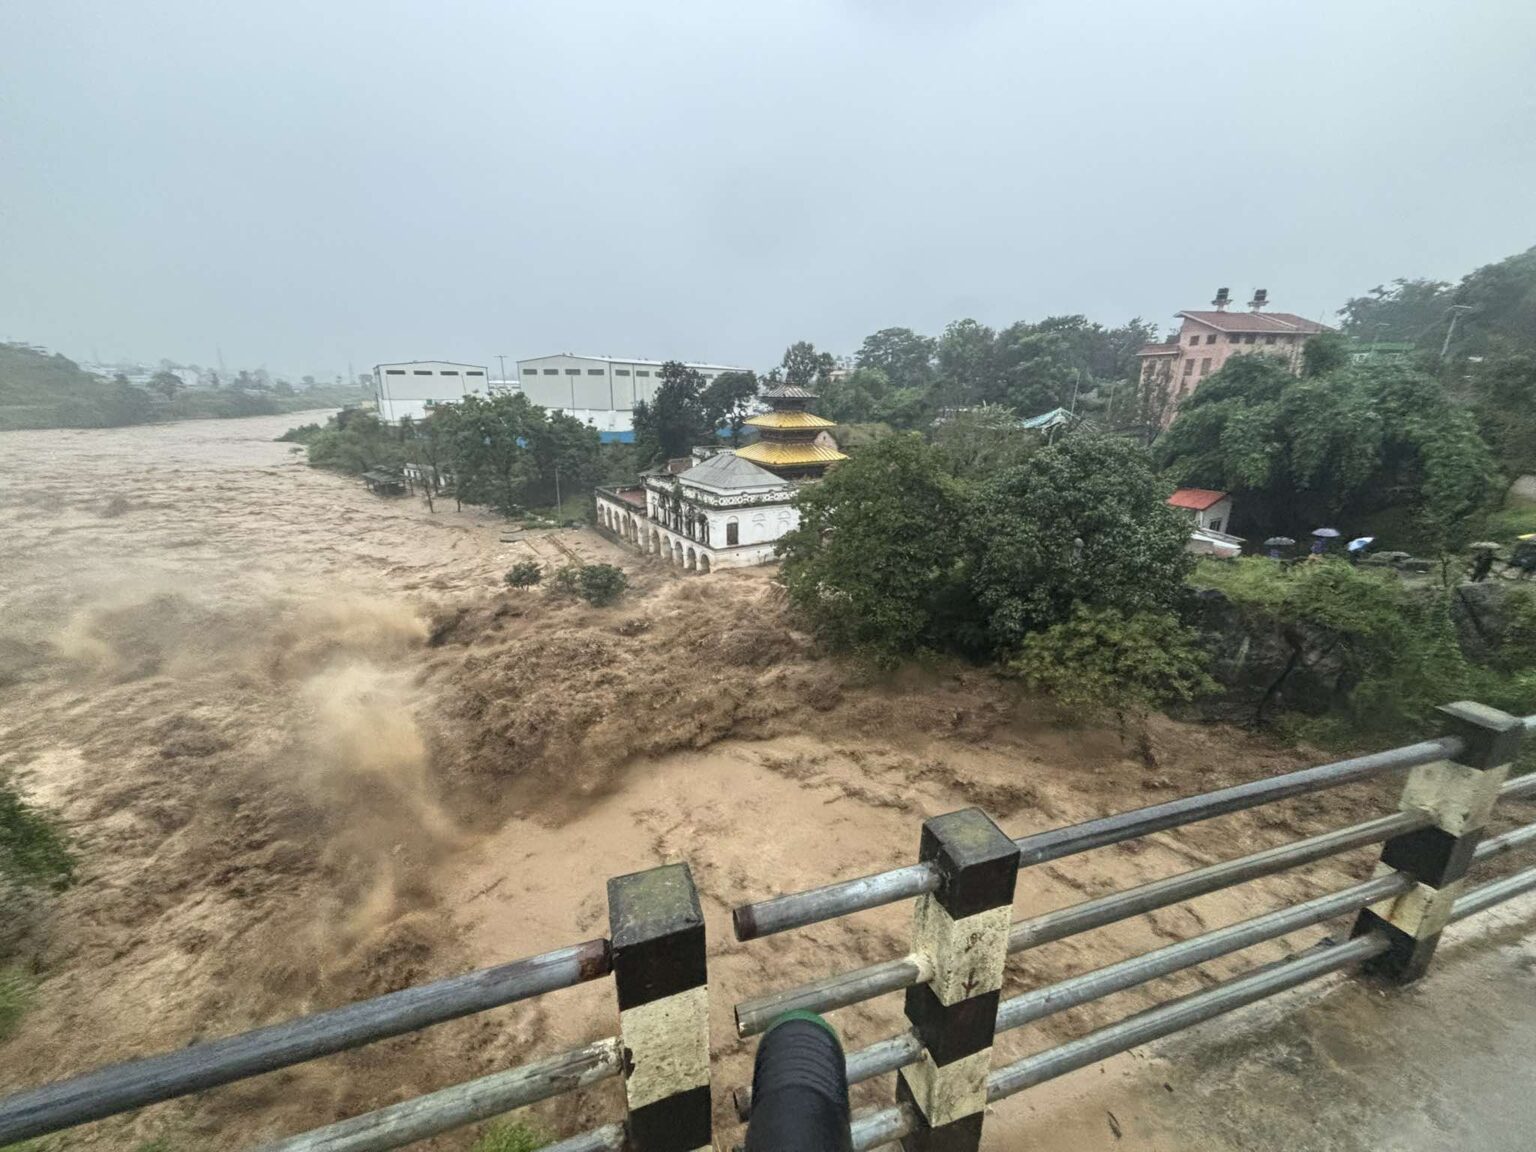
(412, 389)
(599, 390)
(723, 512)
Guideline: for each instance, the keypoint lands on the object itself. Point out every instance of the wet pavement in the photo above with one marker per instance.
(1350, 1067)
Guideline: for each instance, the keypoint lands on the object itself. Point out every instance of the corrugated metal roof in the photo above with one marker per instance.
(632, 360)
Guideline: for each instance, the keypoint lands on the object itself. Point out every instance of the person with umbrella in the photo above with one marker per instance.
(1357, 547)
(1320, 538)
(1524, 555)
(1275, 543)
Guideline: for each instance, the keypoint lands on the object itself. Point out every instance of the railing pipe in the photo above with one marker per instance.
(424, 1116)
(1505, 842)
(754, 1016)
(1075, 838)
(1117, 906)
(876, 1128)
(135, 1083)
(1490, 895)
(1039, 1003)
(608, 1138)
(833, 900)
(1177, 1015)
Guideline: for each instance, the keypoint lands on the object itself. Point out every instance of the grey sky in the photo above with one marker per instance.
(305, 184)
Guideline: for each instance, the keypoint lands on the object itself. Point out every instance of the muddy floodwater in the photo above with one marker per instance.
(311, 748)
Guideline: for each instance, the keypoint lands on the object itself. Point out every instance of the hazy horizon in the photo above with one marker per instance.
(304, 187)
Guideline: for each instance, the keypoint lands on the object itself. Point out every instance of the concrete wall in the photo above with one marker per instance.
(759, 528)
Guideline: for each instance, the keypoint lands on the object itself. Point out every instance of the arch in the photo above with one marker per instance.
(704, 563)
(691, 559)
(677, 553)
(655, 545)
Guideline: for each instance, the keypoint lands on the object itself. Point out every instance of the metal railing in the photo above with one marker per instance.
(1374, 942)
(656, 951)
(127, 1086)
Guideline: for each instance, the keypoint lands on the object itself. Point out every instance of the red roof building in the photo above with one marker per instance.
(1210, 509)
(1208, 339)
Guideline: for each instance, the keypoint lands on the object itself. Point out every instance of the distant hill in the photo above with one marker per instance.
(38, 390)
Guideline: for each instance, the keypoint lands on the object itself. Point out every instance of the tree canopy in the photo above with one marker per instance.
(1299, 453)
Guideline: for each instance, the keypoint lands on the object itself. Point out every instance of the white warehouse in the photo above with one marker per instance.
(599, 390)
(413, 388)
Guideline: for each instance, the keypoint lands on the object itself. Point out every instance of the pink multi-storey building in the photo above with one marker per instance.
(1207, 340)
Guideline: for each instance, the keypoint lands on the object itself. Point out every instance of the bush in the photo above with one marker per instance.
(1106, 660)
(597, 584)
(510, 1136)
(524, 574)
(33, 852)
(303, 434)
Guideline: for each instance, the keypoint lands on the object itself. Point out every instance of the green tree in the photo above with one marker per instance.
(1354, 444)
(1410, 311)
(1082, 521)
(905, 357)
(672, 423)
(524, 574)
(1324, 353)
(1503, 391)
(1105, 660)
(858, 568)
(727, 401)
(979, 442)
(966, 356)
(854, 398)
(804, 366)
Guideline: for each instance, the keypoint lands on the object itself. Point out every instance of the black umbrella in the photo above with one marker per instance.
(1279, 542)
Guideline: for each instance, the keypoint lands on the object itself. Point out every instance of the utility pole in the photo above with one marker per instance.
(1455, 310)
(557, 490)
(502, 356)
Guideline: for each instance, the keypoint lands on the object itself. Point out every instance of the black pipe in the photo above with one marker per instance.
(799, 1089)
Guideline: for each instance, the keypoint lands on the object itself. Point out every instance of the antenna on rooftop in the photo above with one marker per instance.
(1223, 298)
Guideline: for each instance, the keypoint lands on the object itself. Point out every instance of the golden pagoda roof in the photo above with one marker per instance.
(781, 454)
(789, 418)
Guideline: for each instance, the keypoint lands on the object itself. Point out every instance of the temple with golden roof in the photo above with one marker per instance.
(722, 507)
(791, 436)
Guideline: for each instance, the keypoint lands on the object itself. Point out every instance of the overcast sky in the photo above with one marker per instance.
(306, 184)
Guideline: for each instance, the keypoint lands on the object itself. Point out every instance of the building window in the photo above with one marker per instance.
(1215, 525)
(474, 373)
(1269, 339)
(1233, 339)
(1205, 366)
(449, 372)
(394, 371)
(1189, 366)
(573, 371)
(1195, 339)
(551, 371)
(421, 372)
(1250, 338)
(595, 371)
(621, 371)
(732, 533)
(1211, 339)
(641, 372)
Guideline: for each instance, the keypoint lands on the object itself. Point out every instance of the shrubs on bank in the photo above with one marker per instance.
(524, 574)
(597, 584)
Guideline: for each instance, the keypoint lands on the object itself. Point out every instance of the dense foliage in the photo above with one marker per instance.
(501, 451)
(33, 852)
(524, 574)
(1390, 645)
(686, 411)
(597, 584)
(1081, 522)
(896, 554)
(1110, 660)
(1344, 446)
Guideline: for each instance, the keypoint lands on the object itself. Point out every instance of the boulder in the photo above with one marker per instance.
(1521, 493)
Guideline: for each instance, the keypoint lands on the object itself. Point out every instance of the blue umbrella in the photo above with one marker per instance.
(1360, 544)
